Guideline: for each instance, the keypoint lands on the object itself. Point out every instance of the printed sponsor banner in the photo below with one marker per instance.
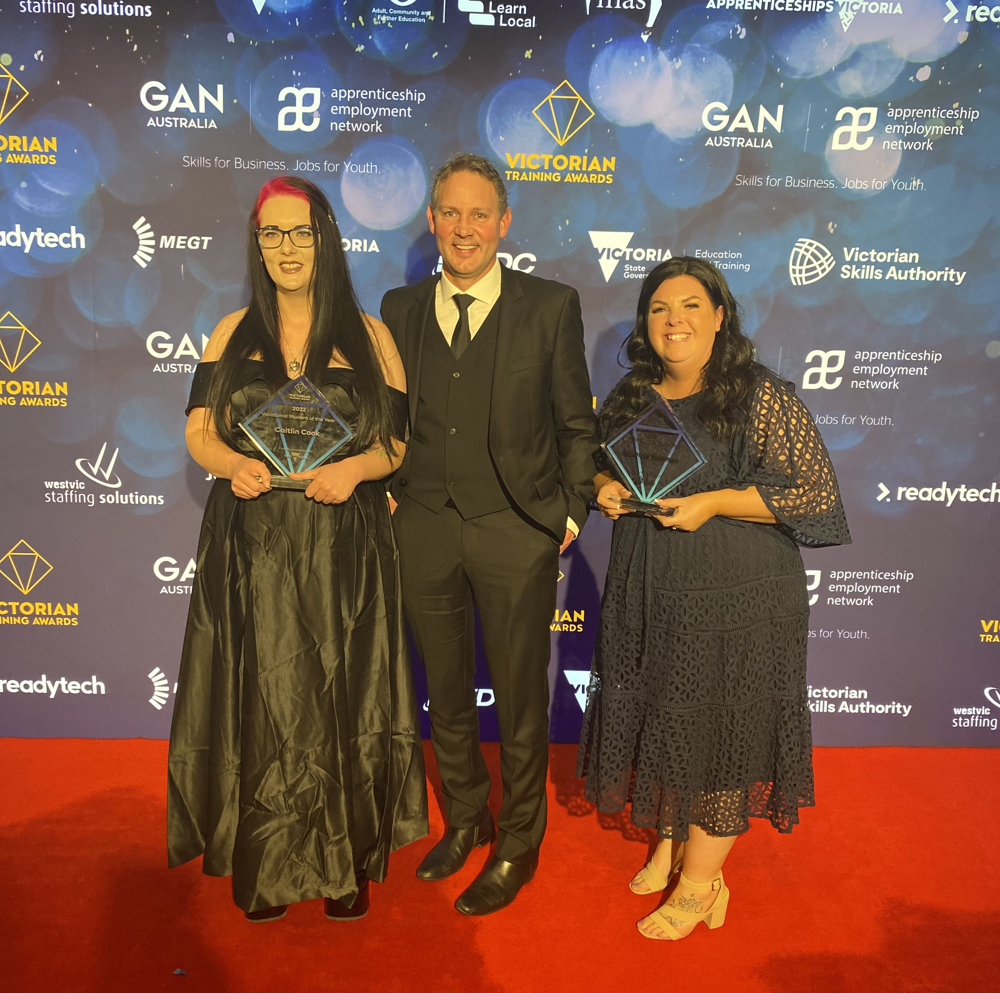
(835, 159)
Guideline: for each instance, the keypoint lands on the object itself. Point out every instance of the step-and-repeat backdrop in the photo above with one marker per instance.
(837, 159)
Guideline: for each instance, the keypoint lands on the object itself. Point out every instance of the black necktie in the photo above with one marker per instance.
(462, 335)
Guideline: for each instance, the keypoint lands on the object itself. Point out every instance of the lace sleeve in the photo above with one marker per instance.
(791, 468)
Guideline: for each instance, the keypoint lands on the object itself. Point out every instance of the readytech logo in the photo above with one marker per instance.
(946, 494)
(39, 239)
(612, 247)
(50, 687)
(156, 97)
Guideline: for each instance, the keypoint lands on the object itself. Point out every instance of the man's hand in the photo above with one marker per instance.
(566, 541)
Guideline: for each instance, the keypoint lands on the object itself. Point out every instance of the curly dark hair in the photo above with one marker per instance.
(729, 375)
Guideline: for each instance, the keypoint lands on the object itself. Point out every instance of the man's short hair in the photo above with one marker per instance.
(467, 162)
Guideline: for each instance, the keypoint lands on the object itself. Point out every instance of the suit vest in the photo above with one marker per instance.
(449, 448)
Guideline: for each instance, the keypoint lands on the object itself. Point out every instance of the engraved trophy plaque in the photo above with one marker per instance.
(651, 456)
(296, 430)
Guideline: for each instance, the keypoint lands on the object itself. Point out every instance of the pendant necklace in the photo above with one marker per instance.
(296, 364)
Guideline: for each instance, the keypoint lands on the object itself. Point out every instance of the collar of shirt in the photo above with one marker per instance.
(486, 292)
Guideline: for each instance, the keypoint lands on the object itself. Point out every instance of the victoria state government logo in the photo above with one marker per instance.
(809, 262)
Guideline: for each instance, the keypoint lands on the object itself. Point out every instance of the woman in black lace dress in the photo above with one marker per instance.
(296, 764)
(697, 712)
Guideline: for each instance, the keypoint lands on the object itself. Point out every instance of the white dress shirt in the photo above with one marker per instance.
(486, 291)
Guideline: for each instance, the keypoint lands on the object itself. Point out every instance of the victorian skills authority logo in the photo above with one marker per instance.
(563, 113)
(810, 261)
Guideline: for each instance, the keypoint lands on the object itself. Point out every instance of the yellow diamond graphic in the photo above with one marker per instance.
(17, 343)
(24, 567)
(563, 112)
(13, 93)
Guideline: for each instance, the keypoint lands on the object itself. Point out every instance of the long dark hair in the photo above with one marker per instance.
(336, 324)
(730, 373)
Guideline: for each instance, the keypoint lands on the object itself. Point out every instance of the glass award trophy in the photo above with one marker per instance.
(296, 430)
(652, 456)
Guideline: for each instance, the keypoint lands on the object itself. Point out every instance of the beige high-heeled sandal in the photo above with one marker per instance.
(714, 917)
(652, 877)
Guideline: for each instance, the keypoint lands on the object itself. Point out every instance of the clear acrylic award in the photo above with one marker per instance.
(651, 456)
(296, 430)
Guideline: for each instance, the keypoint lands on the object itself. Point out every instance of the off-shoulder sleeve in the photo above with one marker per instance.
(400, 412)
(786, 460)
(199, 386)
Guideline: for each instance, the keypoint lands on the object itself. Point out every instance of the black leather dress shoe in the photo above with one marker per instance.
(495, 887)
(450, 853)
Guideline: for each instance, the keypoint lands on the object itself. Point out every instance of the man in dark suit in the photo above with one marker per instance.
(494, 486)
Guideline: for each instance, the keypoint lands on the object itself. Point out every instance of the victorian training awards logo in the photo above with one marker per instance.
(809, 262)
(17, 343)
(14, 94)
(563, 112)
(24, 567)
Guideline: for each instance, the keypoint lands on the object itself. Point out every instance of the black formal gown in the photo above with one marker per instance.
(697, 710)
(295, 752)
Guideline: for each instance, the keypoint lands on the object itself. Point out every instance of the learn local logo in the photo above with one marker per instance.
(489, 14)
(147, 242)
(613, 246)
(563, 113)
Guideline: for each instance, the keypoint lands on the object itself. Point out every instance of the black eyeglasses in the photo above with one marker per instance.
(301, 237)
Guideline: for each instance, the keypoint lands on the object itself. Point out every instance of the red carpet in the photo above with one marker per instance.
(889, 885)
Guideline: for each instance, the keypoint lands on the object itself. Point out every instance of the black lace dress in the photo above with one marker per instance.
(295, 751)
(697, 710)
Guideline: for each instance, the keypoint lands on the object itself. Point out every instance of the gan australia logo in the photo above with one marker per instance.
(563, 113)
(155, 96)
(716, 117)
(147, 242)
(24, 568)
(613, 247)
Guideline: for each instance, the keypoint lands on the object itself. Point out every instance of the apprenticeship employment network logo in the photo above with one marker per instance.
(14, 94)
(563, 112)
(17, 343)
(24, 567)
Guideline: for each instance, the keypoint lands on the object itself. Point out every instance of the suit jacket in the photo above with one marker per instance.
(542, 434)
